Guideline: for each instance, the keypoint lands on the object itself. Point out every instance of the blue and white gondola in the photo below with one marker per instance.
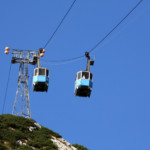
(83, 84)
(41, 79)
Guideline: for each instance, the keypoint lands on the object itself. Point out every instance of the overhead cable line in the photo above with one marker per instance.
(6, 91)
(49, 40)
(60, 62)
(129, 23)
(95, 46)
(102, 40)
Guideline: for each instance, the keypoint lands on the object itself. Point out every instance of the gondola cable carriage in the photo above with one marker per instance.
(41, 75)
(84, 80)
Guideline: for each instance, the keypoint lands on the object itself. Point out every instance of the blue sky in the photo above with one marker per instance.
(116, 116)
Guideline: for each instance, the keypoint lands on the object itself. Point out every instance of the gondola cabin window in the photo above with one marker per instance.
(35, 72)
(79, 75)
(42, 72)
(85, 75)
(47, 72)
(91, 76)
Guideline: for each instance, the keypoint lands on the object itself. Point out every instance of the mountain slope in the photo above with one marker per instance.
(19, 133)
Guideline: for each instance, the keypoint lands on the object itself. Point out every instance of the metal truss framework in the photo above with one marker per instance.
(22, 101)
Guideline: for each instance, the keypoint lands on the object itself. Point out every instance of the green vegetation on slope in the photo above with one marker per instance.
(14, 128)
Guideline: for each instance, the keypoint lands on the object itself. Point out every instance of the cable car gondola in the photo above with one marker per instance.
(84, 80)
(41, 79)
(83, 84)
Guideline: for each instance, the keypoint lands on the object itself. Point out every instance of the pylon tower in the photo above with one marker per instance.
(21, 105)
(22, 101)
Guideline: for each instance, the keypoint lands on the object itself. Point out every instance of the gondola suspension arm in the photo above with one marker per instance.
(89, 61)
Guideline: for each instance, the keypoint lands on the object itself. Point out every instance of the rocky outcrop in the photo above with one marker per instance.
(62, 144)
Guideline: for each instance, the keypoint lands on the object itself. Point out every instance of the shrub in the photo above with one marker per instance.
(79, 147)
(14, 128)
(2, 147)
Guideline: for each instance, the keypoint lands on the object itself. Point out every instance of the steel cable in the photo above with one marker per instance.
(4, 102)
(49, 40)
(102, 40)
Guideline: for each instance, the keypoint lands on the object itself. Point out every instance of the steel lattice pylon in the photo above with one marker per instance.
(22, 102)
